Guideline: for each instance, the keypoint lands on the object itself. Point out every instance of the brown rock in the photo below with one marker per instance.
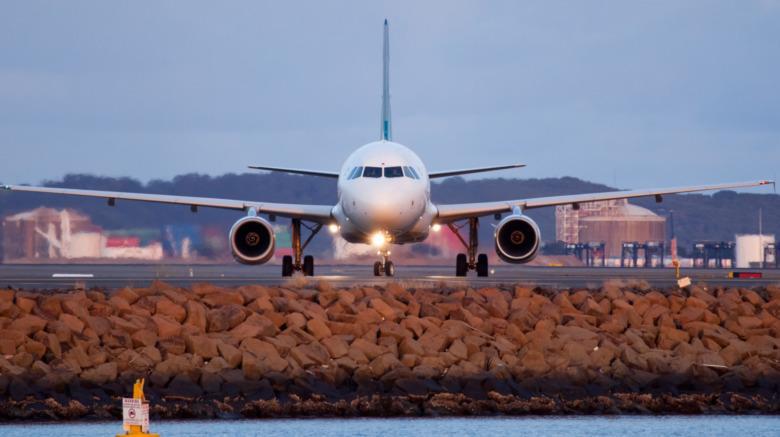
(8, 309)
(7, 347)
(458, 350)
(370, 350)
(231, 354)
(254, 326)
(282, 343)
(202, 346)
(314, 351)
(130, 325)
(393, 330)
(318, 328)
(144, 337)
(196, 315)
(7, 295)
(101, 374)
(261, 304)
(668, 338)
(384, 310)
(337, 347)
(295, 320)
(222, 298)
(72, 322)
(575, 333)
(464, 315)
(26, 304)
(773, 292)
(690, 314)
(98, 324)
(751, 296)
(384, 363)
(534, 363)
(750, 322)
(116, 338)
(33, 348)
(77, 305)
(429, 310)
(170, 309)
(411, 347)
(127, 294)
(591, 308)
(259, 348)
(121, 305)
(28, 324)
(602, 357)
(172, 345)
(433, 342)
(166, 326)
(313, 310)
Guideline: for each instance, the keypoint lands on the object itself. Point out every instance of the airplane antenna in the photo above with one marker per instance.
(386, 129)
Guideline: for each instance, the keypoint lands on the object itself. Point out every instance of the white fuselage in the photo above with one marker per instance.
(383, 188)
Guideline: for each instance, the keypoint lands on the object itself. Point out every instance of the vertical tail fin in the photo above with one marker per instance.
(386, 128)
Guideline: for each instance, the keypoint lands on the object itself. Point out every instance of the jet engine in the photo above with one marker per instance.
(517, 239)
(252, 240)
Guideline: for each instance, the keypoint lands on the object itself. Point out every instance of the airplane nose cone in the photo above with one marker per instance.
(387, 209)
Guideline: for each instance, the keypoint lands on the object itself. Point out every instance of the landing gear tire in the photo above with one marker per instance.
(287, 265)
(308, 265)
(377, 268)
(461, 265)
(389, 269)
(482, 265)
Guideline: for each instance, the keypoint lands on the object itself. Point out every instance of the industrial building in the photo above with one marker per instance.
(612, 222)
(46, 234)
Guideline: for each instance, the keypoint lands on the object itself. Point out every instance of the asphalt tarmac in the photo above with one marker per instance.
(68, 276)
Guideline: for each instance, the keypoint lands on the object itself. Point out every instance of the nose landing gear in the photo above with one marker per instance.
(385, 266)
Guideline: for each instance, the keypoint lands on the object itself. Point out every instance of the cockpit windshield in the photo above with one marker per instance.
(372, 172)
(393, 172)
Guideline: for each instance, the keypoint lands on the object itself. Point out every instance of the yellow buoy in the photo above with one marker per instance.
(135, 413)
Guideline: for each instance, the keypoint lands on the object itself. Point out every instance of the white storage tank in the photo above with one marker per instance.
(750, 249)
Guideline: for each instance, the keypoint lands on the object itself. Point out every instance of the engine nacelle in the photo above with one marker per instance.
(252, 240)
(517, 239)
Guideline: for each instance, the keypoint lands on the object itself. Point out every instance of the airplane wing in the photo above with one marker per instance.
(444, 174)
(455, 212)
(314, 213)
(326, 174)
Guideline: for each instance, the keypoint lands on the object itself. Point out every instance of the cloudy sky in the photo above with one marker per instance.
(641, 93)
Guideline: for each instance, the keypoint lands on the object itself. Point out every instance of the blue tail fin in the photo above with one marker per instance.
(386, 128)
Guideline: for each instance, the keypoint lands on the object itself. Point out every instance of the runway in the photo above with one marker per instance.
(67, 276)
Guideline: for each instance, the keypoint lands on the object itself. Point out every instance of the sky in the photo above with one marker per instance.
(633, 94)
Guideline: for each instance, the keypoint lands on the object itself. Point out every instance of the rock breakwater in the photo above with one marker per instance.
(256, 351)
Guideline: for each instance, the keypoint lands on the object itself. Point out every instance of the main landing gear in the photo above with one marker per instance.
(385, 266)
(470, 260)
(290, 265)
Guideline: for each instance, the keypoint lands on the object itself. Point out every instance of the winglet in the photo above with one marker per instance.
(386, 128)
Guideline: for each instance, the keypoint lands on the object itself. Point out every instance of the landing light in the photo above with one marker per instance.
(436, 227)
(378, 239)
(333, 228)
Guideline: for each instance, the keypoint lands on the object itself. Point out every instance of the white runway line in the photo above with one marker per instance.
(73, 275)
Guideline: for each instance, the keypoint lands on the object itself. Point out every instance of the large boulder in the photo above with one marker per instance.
(101, 374)
(28, 324)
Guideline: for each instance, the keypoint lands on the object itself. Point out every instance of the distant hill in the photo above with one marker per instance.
(696, 216)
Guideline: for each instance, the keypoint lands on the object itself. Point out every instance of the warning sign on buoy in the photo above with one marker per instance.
(132, 412)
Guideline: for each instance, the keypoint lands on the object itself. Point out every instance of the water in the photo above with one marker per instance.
(598, 426)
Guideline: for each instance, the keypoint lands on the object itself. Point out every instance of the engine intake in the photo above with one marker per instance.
(517, 239)
(252, 240)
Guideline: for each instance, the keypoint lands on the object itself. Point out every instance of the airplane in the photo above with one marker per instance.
(384, 198)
